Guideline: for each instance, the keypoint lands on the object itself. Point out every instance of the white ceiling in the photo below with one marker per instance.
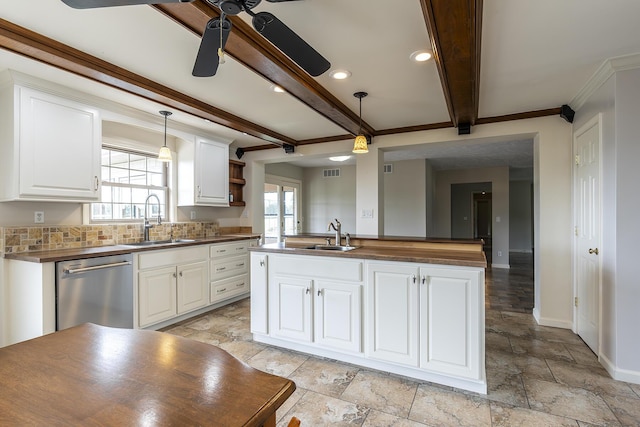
(535, 55)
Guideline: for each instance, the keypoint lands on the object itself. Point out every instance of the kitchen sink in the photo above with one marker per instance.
(160, 242)
(332, 248)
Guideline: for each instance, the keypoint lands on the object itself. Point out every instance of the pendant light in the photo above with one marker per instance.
(360, 143)
(165, 153)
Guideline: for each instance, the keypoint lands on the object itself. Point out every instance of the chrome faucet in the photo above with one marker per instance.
(338, 229)
(147, 226)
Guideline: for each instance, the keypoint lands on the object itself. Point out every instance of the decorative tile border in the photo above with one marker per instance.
(26, 239)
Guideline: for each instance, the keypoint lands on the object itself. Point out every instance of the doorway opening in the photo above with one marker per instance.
(281, 209)
(482, 221)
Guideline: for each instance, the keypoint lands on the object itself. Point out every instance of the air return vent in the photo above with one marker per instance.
(331, 173)
(388, 168)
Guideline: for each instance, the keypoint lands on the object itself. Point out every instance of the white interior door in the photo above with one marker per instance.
(588, 231)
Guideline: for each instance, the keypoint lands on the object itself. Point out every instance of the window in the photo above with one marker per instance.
(128, 178)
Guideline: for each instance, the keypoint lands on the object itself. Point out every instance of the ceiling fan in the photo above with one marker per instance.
(218, 29)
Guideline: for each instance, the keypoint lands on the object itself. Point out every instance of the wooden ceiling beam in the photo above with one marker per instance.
(35, 46)
(455, 28)
(248, 47)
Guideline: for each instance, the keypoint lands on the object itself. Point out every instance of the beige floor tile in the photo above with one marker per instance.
(380, 419)
(507, 328)
(383, 392)
(575, 403)
(506, 387)
(525, 319)
(495, 341)
(635, 388)
(282, 411)
(527, 366)
(278, 362)
(243, 350)
(625, 408)
(559, 335)
(583, 355)
(540, 348)
(208, 337)
(506, 416)
(314, 409)
(324, 376)
(595, 379)
(437, 407)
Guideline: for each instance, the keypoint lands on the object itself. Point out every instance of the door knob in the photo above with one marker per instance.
(593, 251)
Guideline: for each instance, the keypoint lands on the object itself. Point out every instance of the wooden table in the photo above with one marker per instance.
(94, 375)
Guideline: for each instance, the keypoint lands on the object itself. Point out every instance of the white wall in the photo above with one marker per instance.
(328, 198)
(405, 205)
(499, 179)
(520, 216)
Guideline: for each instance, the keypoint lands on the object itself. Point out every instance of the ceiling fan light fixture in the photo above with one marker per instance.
(421, 55)
(360, 143)
(340, 74)
(165, 154)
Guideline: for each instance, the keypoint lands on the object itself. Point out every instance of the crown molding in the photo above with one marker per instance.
(602, 74)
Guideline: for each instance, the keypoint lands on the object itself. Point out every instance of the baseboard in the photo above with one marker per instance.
(620, 374)
(500, 266)
(555, 323)
(521, 251)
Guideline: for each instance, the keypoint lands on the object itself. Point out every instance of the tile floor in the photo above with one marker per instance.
(537, 376)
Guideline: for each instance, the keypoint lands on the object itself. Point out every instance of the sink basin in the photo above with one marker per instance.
(332, 248)
(160, 242)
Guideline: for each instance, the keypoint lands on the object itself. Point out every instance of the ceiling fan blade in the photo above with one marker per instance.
(90, 4)
(279, 1)
(290, 43)
(207, 60)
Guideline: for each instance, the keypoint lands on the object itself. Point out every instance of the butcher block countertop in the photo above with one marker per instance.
(467, 253)
(98, 251)
(94, 375)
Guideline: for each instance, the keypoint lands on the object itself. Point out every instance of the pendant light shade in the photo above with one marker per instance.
(165, 153)
(360, 144)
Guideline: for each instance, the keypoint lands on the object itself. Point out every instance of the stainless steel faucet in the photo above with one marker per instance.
(338, 229)
(147, 226)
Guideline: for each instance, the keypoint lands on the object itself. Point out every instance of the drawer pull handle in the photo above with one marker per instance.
(221, 268)
(240, 265)
(239, 285)
(221, 290)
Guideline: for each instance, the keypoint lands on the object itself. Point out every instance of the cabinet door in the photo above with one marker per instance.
(259, 311)
(156, 295)
(193, 286)
(452, 321)
(60, 144)
(392, 318)
(337, 311)
(290, 308)
(212, 173)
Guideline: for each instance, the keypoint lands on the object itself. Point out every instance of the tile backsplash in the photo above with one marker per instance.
(25, 239)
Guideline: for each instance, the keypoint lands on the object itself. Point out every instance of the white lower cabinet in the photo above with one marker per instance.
(171, 282)
(392, 318)
(418, 320)
(319, 301)
(229, 267)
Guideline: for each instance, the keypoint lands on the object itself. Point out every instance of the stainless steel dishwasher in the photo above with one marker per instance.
(97, 290)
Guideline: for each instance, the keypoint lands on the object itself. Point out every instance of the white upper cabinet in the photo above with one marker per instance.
(203, 173)
(50, 147)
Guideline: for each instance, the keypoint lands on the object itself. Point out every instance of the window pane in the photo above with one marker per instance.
(155, 179)
(105, 157)
(155, 165)
(137, 162)
(119, 159)
(121, 176)
(105, 194)
(138, 178)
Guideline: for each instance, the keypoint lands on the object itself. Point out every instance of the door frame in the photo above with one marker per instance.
(285, 182)
(596, 120)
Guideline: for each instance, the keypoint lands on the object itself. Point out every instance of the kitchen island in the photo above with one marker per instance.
(413, 307)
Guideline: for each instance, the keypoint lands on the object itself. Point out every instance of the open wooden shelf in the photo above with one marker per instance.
(236, 182)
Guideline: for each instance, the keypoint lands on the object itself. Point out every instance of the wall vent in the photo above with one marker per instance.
(331, 173)
(388, 168)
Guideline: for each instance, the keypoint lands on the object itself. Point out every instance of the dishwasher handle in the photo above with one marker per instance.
(96, 267)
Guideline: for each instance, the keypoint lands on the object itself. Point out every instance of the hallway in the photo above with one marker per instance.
(511, 289)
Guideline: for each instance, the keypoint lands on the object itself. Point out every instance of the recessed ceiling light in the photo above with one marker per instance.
(277, 89)
(339, 158)
(340, 74)
(421, 55)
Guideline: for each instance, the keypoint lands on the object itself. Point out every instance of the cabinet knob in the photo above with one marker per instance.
(308, 290)
(424, 279)
(174, 275)
(261, 263)
(181, 274)
(414, 278)
(594, 251)
(319, 292)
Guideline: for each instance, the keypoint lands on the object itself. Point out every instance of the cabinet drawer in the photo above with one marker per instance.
(229, 249)
(165, 257)
(227, 288)
(331, 268)
(227, 267)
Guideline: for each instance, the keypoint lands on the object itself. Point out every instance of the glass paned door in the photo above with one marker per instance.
(280, 211)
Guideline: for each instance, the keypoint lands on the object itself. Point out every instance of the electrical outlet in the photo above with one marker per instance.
(499, 253)
(366, 213)
(193, 215)
(38, 217)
